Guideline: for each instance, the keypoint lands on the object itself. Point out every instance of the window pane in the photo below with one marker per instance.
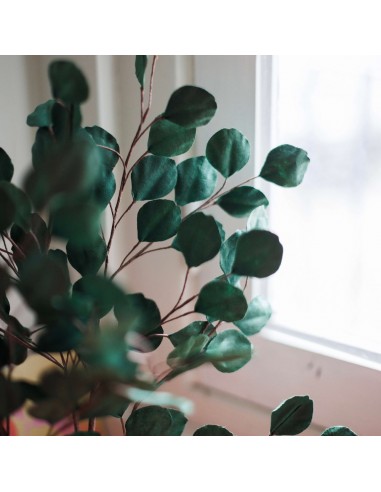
(329, 284)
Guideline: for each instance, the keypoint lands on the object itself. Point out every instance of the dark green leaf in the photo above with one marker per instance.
(338, 430)
(100, 291)
(196, 180)
(148, 342)
(135, 313)
(4, 307)
(258, 254)
(190, 107)
(67, 82)
(188, 352)
(87, 260)
(104, 189)
(65, 121)
(140, 68)
(7, 211)
(158, 220)
(30, 242)
(212, 430)
(285, 166)
(221, 301)
(199, 239)
(100, 136)
(228, 151)
(43, 279)
(292, 416)
(167, 139)
(227, 254)
(104, 402)
(11, 397)
(14, 336)
(59, 337)
(241, 201)
(155, 421)
(42, 115)
(229, 351)
(195, 328)
(257, 315)
(6, 166)
(153, 177)
(21, 204)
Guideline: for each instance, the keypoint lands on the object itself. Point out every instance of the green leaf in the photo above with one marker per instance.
(212, 430)
(258, 254)
(100, 291)
(43, 279)
(140, 68)
(100, 136)
(228, 151)
(153, 177)
(11, 397)
(167, 139)
(155, 421)
(338, 430)
(136, 313)
(68, 82)
(258, 219)
(196, 180)
(30, 242)
(221, 301)
(188, 352)
(241, 201)
(285, 166)
(42, 115)
(227, 255)
(292, 416)
(21, 204)
(229, 351)
(190, 107)
(158, 220)
(65, 121)
(87, 260)
(60, 336)
(148, 342)
(257, 315)
(104, 402)
(6, 166)
(194, 328)
(104, 189)
(199, 239)
(7, 211)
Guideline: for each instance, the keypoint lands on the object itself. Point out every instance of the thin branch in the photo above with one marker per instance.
(177, 317)
(207, 202)
(124, 265)
(154, 61)
(125, 212)
(111, 150)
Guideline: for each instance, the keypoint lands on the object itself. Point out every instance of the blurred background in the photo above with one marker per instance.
(324, 338)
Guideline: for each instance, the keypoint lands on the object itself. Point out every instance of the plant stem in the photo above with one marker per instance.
(123, 265)
(111, 150)
(177, 317)
(125, 212)
(209, 200)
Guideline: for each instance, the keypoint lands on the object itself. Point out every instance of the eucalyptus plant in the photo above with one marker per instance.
(65, 195)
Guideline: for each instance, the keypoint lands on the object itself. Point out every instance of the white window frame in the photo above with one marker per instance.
(345, 386)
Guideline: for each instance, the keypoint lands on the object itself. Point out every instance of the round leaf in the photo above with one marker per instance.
(7, 211)
(87, 260)
(155, 421)
(229, 351)
(153, 177)
(241, 201)
(190, 107)
(158, 220)
(68, 82)
(187, 352)
(292, 416)
(212, 430)
(196, 180)
(285, 166)
(338, 431)
(100, 136)
(42, 115)
(195, 328)
(221, 301)
(59, 337)
(257, 315)
(136, 313)
(258, 219)
(104, 188)
(167, 139)
(199, 239)
(228, 151)
(21, 204)
(227, 253)
(258, 254)
(140, 68)
(6, 166)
